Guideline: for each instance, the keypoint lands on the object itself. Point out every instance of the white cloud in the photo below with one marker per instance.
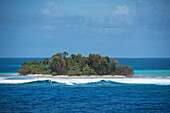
(121, 10)
(45, 11)
(52, 4)
(143, 2)
(122, 15)
(51, 10)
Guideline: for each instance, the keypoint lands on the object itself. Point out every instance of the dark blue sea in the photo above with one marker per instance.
(150, 93)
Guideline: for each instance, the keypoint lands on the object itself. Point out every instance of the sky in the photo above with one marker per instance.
(115, 28)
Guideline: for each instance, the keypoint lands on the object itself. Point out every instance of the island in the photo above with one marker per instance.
(60, 65)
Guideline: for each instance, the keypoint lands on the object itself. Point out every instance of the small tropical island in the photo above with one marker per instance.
(61, 65)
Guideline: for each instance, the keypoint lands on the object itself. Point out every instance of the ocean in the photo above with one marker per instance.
(148, 94)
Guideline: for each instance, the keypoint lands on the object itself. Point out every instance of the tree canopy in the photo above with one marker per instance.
(60, 64)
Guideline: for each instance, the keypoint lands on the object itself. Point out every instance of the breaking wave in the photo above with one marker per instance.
(73, 81)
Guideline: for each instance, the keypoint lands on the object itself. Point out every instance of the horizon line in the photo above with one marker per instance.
(110, 57)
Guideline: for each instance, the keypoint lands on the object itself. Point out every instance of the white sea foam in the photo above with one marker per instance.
(8, 73)
(143, 81)
(72, 81)
(18, 81)
(119, 80)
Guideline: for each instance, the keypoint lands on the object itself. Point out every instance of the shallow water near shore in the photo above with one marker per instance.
(149, 93)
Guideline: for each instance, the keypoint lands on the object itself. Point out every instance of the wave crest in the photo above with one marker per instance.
(73, 81)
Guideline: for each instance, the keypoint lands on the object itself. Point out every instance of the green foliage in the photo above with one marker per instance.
(107, 58)
(46, 61)
(79, 57)
(78, 72)
(54, 73)
(124, 70)
(76, 69)
(70, 63)
(60, 64)
(127, 70)
(24, 70)
(119, 69)
(88, 71)
(94, 61)
(103, 67)
(83, 62)
(33, 67)
(71, 73)
(34, 62)
(74, 57)
(48, 71)
(100, 64)
(25, 63)
(45, 71)
(65, 54)
(57, 55)
(113, 64)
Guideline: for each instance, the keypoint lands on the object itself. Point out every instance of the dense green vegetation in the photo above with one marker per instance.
(60, 64)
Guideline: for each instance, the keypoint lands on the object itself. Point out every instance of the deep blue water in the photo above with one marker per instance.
(149, 94)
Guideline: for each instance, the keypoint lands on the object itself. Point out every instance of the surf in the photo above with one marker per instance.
(73, 81)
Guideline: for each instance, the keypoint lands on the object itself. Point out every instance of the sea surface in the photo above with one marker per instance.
(148, 94)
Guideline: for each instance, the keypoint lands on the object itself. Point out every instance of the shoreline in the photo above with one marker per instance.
(81, 76)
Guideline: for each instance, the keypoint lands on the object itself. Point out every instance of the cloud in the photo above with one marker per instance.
(52, 4)
(51, 10)
(122, 15)
(121, 10)
(45, 12)
(143, 2)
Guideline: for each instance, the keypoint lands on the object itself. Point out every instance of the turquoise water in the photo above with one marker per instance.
(152, 71)
(150, 93)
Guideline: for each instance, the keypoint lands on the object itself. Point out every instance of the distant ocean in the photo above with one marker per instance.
(148, 94)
